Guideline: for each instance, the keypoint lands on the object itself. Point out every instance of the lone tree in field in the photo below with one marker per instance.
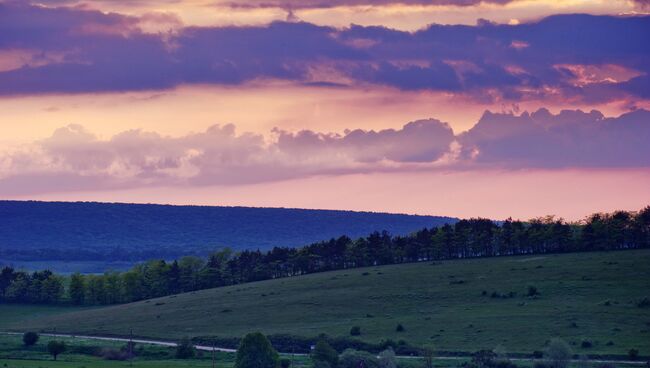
(30, 338)
(324, 353)
(185, 349)
(558, 354)
(55, 348)
(256, 351)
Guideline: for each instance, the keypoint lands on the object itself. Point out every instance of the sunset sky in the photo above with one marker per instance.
(466, 108)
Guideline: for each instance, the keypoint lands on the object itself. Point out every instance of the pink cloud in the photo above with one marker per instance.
(221, 156)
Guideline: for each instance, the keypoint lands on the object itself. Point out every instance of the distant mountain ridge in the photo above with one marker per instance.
(93, 231)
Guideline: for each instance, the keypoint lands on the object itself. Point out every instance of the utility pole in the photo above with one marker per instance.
(213, 353)
(131, 348)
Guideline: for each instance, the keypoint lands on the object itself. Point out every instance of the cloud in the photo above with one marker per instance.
(571, 138)
(82, 50)
(418, 141)
(315, 4)
(74, 159)
(218, 156)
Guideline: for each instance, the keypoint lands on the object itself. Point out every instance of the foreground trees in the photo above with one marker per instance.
(324, 355)
(256, 351)
(465, 239)
(55, 348)
(30, 338)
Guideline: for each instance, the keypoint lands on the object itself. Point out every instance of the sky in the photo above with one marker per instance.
(492, 108)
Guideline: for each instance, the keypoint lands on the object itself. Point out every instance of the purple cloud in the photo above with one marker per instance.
(315, 4)
(568, 139)
(75, 159)
(418, 141)
(109, 52)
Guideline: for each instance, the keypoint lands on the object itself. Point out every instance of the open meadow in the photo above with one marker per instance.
(591, 300)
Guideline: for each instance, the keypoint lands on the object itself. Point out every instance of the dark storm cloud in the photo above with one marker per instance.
(89, 51)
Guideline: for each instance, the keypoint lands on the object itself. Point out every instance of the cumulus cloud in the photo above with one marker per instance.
(418, 141)
(74, 159)
(571, 138)
(91, 51)
(217, 156)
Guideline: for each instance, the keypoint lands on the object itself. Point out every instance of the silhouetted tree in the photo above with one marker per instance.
(55, 348)
(30, 338)
(255, 351)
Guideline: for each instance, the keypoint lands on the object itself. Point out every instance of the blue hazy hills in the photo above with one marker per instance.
(117, 232)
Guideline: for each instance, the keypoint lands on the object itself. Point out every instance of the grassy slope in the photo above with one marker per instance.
(427, 299)
(13, 354)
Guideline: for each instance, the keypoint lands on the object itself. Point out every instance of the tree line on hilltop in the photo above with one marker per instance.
(465, 239)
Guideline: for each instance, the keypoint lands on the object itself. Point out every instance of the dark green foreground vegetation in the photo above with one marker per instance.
(517, 302)
(472, 238)
(255, 352)
(100, 354)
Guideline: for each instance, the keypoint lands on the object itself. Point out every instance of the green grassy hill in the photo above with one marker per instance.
(583, 296)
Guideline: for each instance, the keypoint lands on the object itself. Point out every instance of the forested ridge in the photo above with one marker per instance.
(122, 232)
(465, 239)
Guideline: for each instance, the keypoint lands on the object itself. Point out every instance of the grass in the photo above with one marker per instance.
(14, 314)
(15, 355)
(582, 296)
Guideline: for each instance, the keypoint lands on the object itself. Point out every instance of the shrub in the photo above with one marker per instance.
(30, 338)
(489, 359)
(256, 351)
(355, 331)
(643, 303)
(112, 354)
(354, 359)
(586, 344)
(633, 354)
(532, 291)
(285, 363)
(387, 359)
(538, 354)
(558, 354)
(400, 328)
(483, 358)
(185, 349)
(324, 352)
(55, 348)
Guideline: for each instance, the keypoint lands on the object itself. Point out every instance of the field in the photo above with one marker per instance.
(14, 355)
(450, 305)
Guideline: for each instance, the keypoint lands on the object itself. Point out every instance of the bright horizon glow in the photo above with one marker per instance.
(497, 195)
